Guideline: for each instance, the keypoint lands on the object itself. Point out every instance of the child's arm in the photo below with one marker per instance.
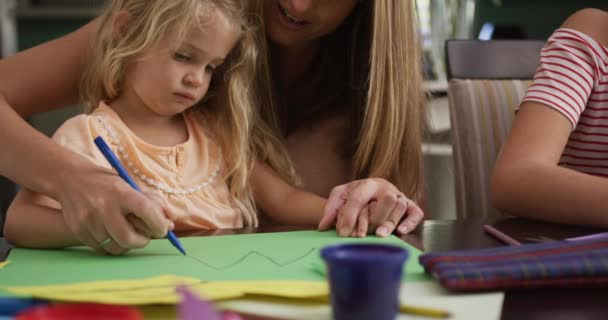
(288, 205)
(282, 202)
(527, 179)
(528, 182)
(33, 225)
(36, 220)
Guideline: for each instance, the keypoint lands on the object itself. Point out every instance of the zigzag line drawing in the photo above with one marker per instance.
(251, 253)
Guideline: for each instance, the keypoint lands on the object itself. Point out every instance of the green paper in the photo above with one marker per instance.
(262, 256)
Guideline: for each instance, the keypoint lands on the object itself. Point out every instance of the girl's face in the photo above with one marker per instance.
(300, 23)
(167, 80)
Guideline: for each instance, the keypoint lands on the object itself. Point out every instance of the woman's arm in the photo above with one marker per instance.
(43, 78)
(370, 205)
(282, 202)
(33, 81)
(352, 206)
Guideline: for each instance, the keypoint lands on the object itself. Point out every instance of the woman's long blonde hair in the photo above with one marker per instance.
(228, 104)
(383, 87)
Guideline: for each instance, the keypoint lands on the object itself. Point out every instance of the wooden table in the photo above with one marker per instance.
(442, 235)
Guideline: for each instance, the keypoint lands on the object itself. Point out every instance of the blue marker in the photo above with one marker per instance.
(113, 160)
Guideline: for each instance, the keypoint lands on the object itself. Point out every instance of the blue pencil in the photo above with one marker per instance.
(113, 160)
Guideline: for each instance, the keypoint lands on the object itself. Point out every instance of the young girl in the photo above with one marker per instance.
(340, 102)
(168, 85)
(553, 164)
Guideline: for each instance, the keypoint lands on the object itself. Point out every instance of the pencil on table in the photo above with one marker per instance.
(505, 238)
(424, 311)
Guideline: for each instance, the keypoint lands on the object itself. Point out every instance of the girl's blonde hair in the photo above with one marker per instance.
(377, 50)
(228, 104)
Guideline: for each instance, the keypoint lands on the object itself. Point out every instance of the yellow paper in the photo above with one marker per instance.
(3, 264)
(161, 290)
(219, 290)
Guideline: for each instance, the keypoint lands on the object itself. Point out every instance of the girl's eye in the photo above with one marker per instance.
(210, 68)
(181, 57)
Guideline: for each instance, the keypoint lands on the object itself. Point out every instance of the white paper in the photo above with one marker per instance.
(421, 294)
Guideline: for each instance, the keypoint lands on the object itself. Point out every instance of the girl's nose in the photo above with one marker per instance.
(193, 79)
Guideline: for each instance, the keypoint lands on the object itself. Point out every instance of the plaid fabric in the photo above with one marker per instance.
(554, 264)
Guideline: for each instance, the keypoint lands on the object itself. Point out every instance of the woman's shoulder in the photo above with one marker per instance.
(591, 22)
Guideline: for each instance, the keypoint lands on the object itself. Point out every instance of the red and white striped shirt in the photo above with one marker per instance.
(572, 78)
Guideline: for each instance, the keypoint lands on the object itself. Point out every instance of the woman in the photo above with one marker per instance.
(324, 98)
(553, 164)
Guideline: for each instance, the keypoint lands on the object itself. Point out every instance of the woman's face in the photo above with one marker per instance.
(299, 23)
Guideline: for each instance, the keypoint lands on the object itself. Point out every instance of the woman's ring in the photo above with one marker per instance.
(105, 242)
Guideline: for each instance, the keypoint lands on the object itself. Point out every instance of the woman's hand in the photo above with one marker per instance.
(372, 204)
(100, 209)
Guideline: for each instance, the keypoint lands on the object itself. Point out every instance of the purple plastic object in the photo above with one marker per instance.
(193, 308)
(364, 280)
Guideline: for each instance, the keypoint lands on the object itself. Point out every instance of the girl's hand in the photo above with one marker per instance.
(372, 204)
(96, 205)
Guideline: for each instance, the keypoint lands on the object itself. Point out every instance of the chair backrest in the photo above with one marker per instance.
(487, 79)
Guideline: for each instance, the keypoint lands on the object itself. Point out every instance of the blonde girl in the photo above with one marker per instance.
(168, 86)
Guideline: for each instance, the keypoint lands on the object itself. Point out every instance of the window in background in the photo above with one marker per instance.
(517, 19)
(438, 21)
(486, 32)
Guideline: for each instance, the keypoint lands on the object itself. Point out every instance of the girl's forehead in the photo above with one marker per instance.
(210, 19)
(215, 36)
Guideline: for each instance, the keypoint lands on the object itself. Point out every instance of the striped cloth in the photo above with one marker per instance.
(573, 79)
(552, 264)
(481, 112)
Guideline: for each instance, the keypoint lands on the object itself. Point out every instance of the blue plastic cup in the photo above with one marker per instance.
(364, 280)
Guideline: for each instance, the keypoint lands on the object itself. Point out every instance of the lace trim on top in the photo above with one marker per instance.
(156, 184)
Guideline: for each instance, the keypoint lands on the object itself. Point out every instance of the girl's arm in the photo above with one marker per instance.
(32, 225)
(35, 221)
(47, 77)
(282, 202)
(528, 182)
(288, 205)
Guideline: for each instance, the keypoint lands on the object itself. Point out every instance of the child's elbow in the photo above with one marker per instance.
(13, 228)
(10, 235)
(9, 227)
(501, 185)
